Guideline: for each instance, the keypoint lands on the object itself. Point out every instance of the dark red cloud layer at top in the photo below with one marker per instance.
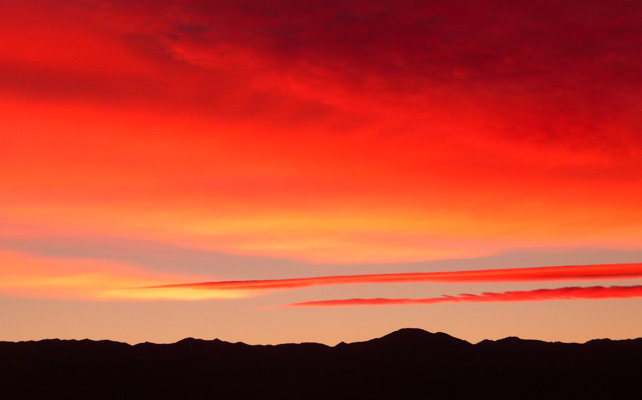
(567, 293)
(573, 272)
(576, 62)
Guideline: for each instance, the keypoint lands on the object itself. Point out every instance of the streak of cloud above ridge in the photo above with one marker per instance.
(566, 293)
(556, 273)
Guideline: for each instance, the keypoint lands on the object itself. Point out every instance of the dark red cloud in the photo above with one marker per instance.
(573, 272)
(548, 73)
(575, 63)
(567, 293)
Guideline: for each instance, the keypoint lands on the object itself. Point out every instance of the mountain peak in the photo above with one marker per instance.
(416, 334)
(415, 338)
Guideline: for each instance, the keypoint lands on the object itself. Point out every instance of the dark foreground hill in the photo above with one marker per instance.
(409, 363)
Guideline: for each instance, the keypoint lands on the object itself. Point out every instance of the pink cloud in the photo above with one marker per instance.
(566, 293)
(557, 273)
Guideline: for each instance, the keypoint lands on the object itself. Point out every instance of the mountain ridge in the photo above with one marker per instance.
(400, 364)
(406, 333)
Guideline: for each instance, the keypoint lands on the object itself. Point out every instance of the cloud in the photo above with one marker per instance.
(23, 275)
(335, 131)
(512, 63)
(558, 273)
(566, 293)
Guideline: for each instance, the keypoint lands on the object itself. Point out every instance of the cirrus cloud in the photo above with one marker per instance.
(565, 293)
(557, 273)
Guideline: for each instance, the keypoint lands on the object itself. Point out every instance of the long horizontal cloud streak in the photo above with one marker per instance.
(558, 273)
(567, 293)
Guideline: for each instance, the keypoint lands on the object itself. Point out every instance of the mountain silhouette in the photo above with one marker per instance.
(408, 363)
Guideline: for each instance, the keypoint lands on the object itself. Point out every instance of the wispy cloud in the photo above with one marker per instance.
(566, 293)
(22, 275)
(557, 273)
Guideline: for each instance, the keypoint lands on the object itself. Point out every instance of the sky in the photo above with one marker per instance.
(320, 171)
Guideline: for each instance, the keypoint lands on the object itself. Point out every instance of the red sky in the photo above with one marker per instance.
(155, 144)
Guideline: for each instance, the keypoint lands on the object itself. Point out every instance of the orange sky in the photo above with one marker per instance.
(157, 144)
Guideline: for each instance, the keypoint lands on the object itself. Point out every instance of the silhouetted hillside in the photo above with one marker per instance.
(406, 363)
